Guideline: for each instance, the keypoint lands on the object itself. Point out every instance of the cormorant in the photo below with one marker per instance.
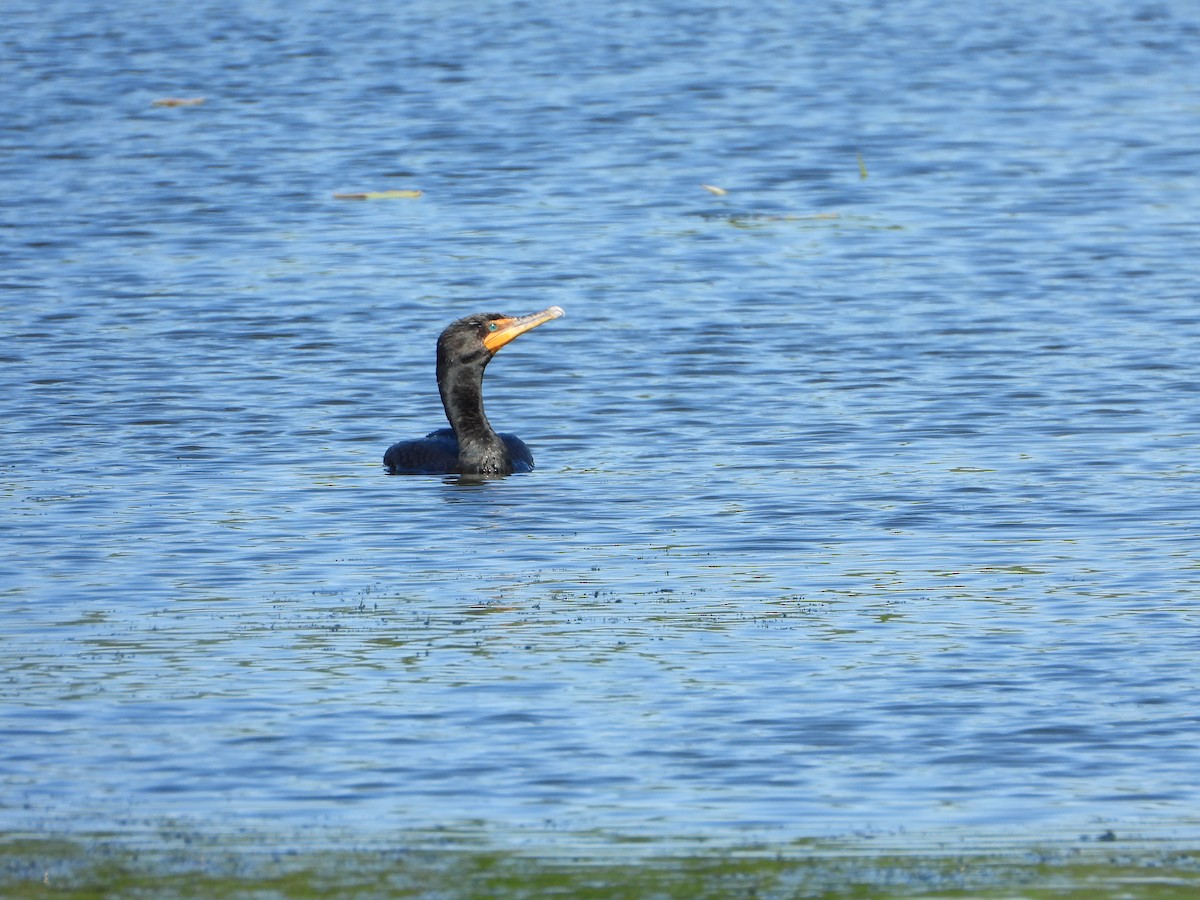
(469, 446)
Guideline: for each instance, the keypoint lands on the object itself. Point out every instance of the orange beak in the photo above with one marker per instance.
(507, 329)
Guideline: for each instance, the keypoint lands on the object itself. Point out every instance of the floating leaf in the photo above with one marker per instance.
(178, 101)
(713, 189)
(862, 166)
(378, 195)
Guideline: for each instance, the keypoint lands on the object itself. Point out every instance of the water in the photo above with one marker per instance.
(862, 504)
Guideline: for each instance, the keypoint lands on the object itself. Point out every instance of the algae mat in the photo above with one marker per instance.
(186, 866)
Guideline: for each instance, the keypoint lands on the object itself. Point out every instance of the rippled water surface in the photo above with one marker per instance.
(866, 495)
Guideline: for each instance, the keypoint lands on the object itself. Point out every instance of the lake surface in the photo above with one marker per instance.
(866, 491)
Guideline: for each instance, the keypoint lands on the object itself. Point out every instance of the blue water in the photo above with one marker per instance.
(866, 492)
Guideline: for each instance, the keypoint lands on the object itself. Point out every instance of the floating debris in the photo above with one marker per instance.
(378, 195)
(743, 218)
(713, 189)
(862, 166)
(178, 101)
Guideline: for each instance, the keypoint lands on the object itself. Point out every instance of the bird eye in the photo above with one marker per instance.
(491, 326)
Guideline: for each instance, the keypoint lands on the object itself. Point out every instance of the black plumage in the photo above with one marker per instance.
(470, 446)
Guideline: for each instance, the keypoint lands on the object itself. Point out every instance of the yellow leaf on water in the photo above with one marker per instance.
(378, 195)
(713, 189)
(862, 166)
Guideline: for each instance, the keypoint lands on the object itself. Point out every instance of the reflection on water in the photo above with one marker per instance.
(862, 504)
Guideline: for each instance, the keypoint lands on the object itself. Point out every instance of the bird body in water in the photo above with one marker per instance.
(470, 446)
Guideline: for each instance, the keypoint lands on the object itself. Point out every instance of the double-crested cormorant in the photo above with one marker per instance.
(469, 446)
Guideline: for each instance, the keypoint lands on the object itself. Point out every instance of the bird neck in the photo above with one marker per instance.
(480, 449)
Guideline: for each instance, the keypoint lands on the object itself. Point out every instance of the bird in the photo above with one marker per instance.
(470, 446)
